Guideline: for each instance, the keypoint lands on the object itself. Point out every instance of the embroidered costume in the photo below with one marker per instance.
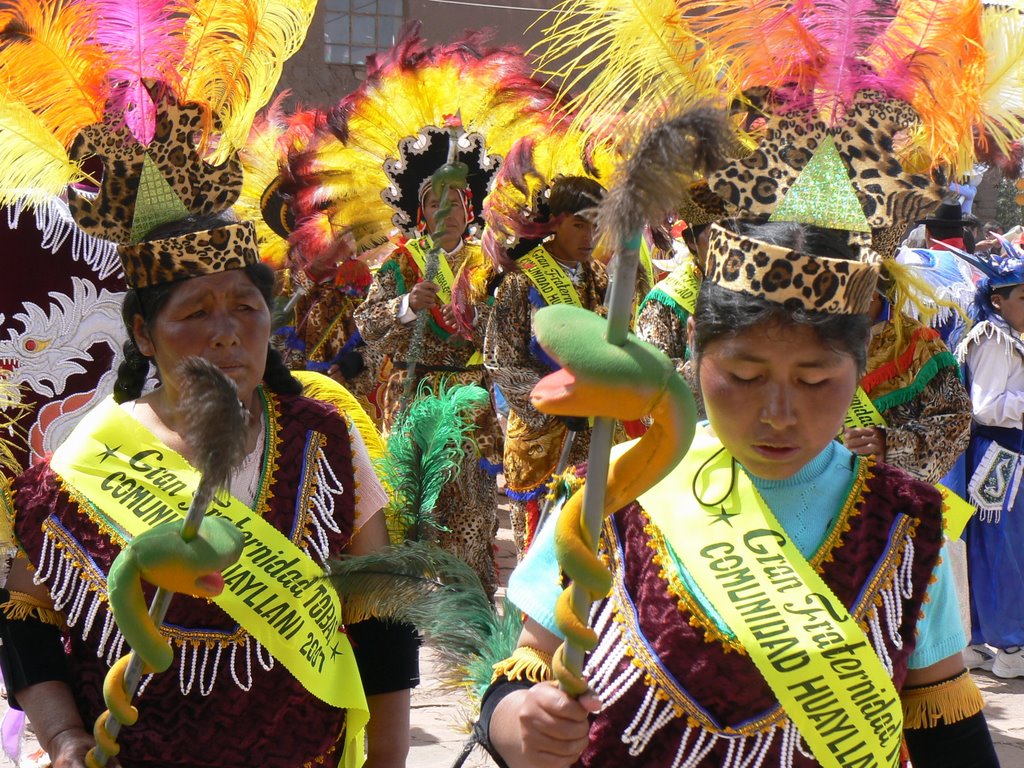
(467, 505)
(424, 112)
(312, 479)
(663, 652)
(533, 441)
(916, 387)
(993, 359)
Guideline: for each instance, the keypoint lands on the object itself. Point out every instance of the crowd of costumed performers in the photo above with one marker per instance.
(405, 162)
(337, 325)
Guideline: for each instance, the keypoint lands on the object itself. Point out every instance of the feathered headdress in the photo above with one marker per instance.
(883, 90)
(516, 211)
(163, 93)
(363, 172)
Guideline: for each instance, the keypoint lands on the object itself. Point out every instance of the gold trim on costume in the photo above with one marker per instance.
(22, 606)
(950, 702)
(525, 663)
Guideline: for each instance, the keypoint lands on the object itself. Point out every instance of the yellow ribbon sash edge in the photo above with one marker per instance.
(682, 286)
(92, 461)
(806, 664)
(444, 279)
(548, 278)
(957, 511)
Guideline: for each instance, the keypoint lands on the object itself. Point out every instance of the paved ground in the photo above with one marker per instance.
(441, 717)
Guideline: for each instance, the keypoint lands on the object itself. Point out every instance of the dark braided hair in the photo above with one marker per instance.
(147, 303)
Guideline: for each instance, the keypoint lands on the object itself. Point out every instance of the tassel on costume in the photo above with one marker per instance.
(950, 701)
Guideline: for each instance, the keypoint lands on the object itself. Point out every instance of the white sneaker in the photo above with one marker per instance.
(1009, 663)
(978, 657)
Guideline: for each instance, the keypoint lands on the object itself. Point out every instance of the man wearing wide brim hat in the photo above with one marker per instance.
(946, 226)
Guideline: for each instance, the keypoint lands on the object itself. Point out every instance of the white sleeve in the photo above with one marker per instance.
(371, 497)
(406, 314)
(994, 402)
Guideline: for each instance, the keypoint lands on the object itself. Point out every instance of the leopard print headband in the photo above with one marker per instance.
(191, 255)
(788, 277)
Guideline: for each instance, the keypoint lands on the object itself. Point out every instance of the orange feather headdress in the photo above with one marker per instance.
(123, 80)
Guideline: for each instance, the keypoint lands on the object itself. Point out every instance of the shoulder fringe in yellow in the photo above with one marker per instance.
(949, 702)
(22, 607)
(525, 663)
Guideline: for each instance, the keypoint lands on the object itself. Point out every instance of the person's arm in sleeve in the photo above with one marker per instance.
(507, 349)
(994, 404)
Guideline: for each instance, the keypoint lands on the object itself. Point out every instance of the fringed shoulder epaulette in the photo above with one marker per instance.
(22, 606)
(947, 702)
(526, 664)
(988, 330)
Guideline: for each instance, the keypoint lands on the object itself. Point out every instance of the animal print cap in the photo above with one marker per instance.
(788, 277)
(889, 196)
(146, 186)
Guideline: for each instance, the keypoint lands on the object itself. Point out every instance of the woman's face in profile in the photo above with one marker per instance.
(776, 396)
(221, 317)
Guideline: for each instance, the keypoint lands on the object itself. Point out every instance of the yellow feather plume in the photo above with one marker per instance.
(646, 54)
(50, 65)
(938, 50)
(1002, 98)
(236, 49)
(486, 89)
(34, 166)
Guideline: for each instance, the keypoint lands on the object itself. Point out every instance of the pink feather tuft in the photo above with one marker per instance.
(144, 37)
(845, 31)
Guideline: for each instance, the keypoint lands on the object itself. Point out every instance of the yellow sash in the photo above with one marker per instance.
(275, 591)
(549, 278)
(809, 649)
(956, 511)
(646, 263)
(862, 412)
(444, 279)
(682, 286)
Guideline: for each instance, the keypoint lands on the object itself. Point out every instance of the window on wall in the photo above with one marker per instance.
(356, 28)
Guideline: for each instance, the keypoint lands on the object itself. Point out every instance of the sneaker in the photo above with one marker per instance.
(1009, 663)
(978, 657)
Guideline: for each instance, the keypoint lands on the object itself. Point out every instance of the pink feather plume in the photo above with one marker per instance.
(145, 39)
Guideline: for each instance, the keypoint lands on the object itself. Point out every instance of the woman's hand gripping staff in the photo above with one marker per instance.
(174, 558)
(610, 374)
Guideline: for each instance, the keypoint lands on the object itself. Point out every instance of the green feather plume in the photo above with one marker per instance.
(424, 451)
(419, 584)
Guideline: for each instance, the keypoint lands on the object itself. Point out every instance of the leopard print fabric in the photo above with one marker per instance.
(788, 277)
(203, 189)
(755, 185)
(467, 505)
(191, 255)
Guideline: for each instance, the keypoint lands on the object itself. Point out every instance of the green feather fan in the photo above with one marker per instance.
(424, 451)
(419, 584)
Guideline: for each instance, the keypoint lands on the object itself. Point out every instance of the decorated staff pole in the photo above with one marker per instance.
(620, 313)
(451, 175)
(215, 431)
(657, 175)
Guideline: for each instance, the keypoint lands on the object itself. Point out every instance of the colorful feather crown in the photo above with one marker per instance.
(163, 92)
(893, 87)
(381, 141)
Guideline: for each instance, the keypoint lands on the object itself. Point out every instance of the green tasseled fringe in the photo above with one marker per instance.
(663, 298)
(928, 372)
